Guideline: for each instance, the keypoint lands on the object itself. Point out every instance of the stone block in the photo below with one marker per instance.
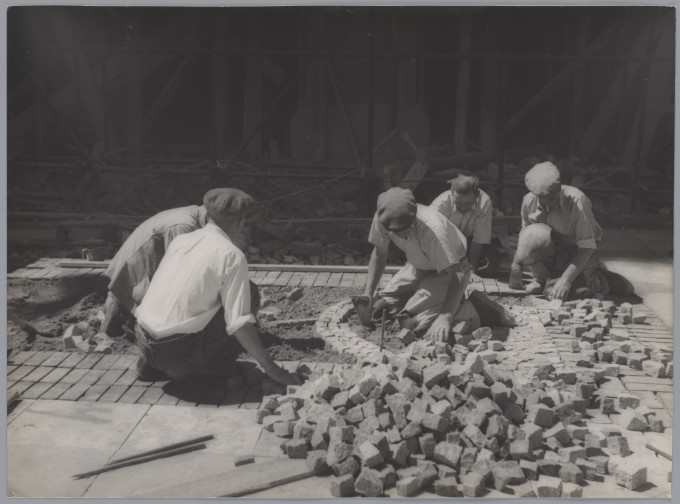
(529, 469)
(447, 453)
(342, 486)
(399, 453)
(447, 487)
(653, 368)
(572, 453)
(571, 473)
(630, 473)
(506, 473)
(618, 445)
(369, 483)
(548, 486)
(411, 430)
(630, 420)
(296, 448)
(549, 467)
(521, 450)
(337, 452)
(534, 434)
(571, 490)
(473, 484)
(370, 455)
(427, 444)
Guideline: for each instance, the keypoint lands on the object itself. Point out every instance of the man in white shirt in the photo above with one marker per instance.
(470, 210)
(428, 291)
(197, 312)
(134, 265)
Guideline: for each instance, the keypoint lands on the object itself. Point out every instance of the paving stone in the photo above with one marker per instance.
(368, 483)
(38, 374)
(630, 473)
(55, 391)
(55, 375)
(473, 484)
(342, 486)
(571, 490)
(548, 486)
(36, 391)
(55, 359)
(131, 395)
(447, 487)
(114, 393)
(506, 473)
(447, 453)
(93, 393)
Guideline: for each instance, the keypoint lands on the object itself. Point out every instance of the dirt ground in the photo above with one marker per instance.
(53, 305)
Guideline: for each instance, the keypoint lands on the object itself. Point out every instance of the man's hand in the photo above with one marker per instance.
(561, 289)
(364, 309)
(515, 281)
(439, 330)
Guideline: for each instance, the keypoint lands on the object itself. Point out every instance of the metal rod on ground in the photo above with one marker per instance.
(657, 450)
(164, 448)
(382, 329)
(140, 460)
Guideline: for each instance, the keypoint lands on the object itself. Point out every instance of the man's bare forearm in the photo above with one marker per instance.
(577, 263)
(376, 266)
(250, 340)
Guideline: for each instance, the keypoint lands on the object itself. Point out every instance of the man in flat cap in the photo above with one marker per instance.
(199, 309)
(135, 263)
(427, 293)
(470, 210)
(562, 253)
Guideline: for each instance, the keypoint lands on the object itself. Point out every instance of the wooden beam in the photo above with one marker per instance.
(544, 93)
(219, 84)
(80, 68)
(659, 91)
(613, 95)
(133, 83)
(171, 86)
(463, 88)
(579, 83)
(488, 123)
(252, 96)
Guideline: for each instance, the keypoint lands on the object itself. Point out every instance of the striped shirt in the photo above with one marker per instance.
(432, 243)
(573, 218)
(476, 224)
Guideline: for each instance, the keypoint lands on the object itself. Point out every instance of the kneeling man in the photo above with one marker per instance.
(561, 251)
(198, 311)
(426, 294)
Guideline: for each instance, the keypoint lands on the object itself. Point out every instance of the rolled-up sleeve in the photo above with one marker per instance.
(377, 235)
(235, 293)
(482, 228)
(584, 224)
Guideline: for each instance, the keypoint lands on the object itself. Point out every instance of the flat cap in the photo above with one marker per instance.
(226, 201)
(396, 208)
(543, 179)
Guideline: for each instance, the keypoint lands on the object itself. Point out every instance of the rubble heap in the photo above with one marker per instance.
(446, 418)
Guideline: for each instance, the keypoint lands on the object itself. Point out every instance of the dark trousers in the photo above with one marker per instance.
(211, 351)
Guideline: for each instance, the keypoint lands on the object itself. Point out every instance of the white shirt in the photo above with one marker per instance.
(573, 218)
(200, 272)
(432, 243)
(475, 224)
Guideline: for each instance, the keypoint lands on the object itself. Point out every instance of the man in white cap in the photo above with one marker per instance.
(562, 253)
(470, 210)
(132, 268)
(426, 294)
(198, 311)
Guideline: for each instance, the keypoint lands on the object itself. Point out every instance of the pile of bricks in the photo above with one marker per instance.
(446, 419)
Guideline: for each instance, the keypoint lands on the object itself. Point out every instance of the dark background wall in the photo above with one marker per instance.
(146, 91)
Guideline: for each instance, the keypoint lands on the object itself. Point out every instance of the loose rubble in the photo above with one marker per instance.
(449, 419)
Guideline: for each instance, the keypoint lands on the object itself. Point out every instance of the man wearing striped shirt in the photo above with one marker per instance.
(569, 264)
(470, 210)
(426, 294)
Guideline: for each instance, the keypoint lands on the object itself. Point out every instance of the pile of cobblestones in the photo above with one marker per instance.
(449, 418)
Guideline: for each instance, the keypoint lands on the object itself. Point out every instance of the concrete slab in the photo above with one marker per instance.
(45, 471)
(235, 430)
(94, 426)
(20, 407)
(185, 468)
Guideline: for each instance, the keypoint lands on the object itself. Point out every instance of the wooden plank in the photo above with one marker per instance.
(241, 481)
(303, 268)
